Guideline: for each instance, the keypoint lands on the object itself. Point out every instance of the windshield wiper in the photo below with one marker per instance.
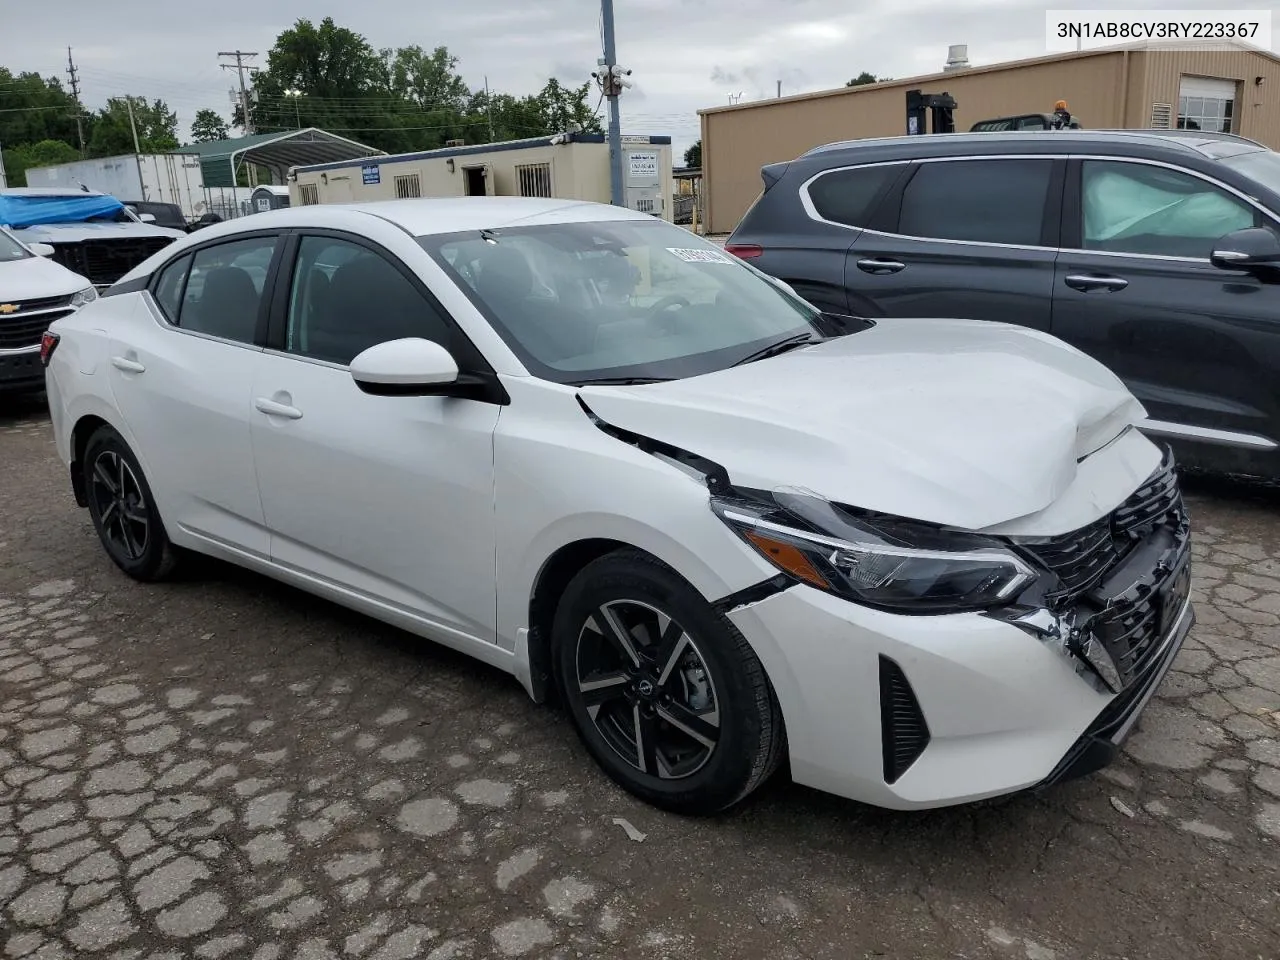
(620, 381)
(780, 346)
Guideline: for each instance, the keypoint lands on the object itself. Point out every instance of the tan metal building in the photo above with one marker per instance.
(571, 166)
(1232, 88)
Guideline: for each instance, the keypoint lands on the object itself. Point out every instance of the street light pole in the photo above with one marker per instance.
(294, 95)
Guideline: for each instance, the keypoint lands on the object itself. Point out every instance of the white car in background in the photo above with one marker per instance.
(34, 291)
(915, 563)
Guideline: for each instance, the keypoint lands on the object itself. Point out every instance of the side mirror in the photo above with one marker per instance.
(405, 368)
(147, 217)
(41, 249)
(1247, 250)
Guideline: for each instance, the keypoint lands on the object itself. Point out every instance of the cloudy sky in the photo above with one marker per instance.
(685, 54)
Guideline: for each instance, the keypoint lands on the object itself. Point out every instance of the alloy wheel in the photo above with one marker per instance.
(647, 689)
(120, 504)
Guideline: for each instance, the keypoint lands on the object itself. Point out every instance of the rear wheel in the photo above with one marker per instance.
(123, 510)
(665, 693)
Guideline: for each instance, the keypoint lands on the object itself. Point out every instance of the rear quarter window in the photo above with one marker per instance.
(850, 196)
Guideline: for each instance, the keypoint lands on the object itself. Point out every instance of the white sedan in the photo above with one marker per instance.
(913, 562)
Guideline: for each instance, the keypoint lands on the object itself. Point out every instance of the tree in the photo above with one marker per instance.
(113, 131)
(407, 98)
(34, 109)
(208, 126)
(866, 77)
(46, 153)
(693, 156)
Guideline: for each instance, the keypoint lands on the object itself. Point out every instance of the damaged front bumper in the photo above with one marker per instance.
(1101, 742)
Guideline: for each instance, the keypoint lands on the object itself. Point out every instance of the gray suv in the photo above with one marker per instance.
(1156, 252)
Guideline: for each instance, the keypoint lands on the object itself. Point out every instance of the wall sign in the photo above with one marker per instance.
(371, 173)
(644, 165)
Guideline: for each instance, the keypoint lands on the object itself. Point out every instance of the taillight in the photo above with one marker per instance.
(746, 251)
(48, 343)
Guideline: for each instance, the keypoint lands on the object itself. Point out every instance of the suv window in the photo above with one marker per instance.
(223, 295)
(346, 298)
(989, 201)
(849, 196)
(1140, 208)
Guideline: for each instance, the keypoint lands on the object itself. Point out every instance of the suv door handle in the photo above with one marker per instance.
(880, 265)
(127, 365)
(1086, 283)
(273, 409)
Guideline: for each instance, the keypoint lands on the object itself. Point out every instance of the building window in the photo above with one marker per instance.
(1205, 104)
(310, 194)
(534, 179)
(407, 186)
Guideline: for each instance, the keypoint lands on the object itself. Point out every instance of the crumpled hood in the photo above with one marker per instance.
(80, 232)
(35, 278)
(964, 423)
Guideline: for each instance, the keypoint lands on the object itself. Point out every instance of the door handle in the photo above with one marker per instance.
(1086, 283)
(880, 265)
(273, 409)
(127, 365)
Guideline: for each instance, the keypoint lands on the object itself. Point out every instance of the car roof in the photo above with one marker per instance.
(1194, 141)
(430, 216)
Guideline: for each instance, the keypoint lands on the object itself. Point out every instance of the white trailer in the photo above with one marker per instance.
(157, 177)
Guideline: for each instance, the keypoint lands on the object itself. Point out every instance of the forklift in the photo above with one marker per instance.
(923, 107)
(934, 113)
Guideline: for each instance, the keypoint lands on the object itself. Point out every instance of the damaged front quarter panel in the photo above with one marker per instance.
(716, 478)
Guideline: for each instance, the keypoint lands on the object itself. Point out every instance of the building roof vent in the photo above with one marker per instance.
(957, 57)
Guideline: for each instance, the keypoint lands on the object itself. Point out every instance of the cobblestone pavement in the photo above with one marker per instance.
(224, 767)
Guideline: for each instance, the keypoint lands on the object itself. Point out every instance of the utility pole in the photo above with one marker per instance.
(488, 108)
(240, 67)
(779, 88)
(613, 83)
(75, 95)
(137, 150)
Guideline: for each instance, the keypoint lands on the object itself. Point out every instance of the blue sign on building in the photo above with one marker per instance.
(371, 173)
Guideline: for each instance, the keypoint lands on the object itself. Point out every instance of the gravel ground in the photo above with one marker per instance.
(225, 767)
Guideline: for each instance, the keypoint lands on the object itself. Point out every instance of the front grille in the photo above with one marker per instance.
(104, 262)
(17, 330)
(903, 730)
(44, 303)
(1083, 557)
(1128, 620)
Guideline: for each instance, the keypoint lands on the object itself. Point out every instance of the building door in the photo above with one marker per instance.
(477, 181)
(1207, 104)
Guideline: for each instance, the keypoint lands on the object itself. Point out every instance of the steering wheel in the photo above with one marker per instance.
(661, 307)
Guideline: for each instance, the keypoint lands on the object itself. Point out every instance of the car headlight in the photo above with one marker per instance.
(87, 295)
(884, 562)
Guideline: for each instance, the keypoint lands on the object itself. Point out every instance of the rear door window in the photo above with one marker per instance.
(980, 201)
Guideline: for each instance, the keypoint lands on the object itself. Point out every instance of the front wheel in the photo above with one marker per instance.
(123, 510)
(665, 693)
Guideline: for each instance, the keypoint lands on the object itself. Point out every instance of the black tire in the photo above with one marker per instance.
(128, 523)
(704, 659)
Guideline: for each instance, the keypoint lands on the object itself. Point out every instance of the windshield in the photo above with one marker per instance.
(619, 299)
(1260, 165)
(10, 249)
